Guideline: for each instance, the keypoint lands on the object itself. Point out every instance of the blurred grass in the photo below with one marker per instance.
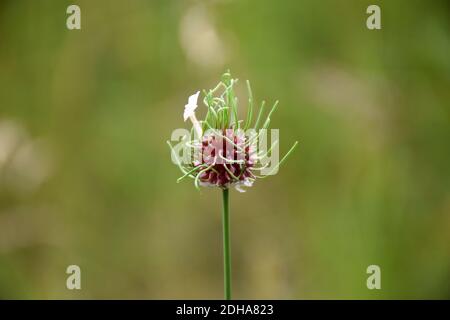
(88, 179)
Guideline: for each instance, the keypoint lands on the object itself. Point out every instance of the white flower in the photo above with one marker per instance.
(189, 112)
(246, 183)
(189, 109)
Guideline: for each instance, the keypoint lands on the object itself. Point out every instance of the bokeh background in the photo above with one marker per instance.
(86, 176)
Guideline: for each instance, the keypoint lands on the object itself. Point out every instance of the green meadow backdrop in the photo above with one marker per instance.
(86, 176)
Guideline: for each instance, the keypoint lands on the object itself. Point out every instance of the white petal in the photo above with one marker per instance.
(189, 109)
(245, 183)
(187, 113)
(248, 183)
(193, 99)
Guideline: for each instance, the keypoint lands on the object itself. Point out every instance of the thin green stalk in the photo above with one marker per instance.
(226, 245)
(261, 110)
(250, 106)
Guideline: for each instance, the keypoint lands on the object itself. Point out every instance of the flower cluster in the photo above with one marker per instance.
(226, 160)
(225, 152)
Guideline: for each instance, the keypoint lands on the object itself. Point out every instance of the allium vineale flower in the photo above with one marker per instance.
(225, 152)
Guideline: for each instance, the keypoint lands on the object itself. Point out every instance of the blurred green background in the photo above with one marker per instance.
(86, 176)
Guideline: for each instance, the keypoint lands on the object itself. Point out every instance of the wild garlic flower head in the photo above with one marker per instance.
(221, 149)
(226, 160)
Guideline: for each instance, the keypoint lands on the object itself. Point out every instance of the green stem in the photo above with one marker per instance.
(226, 245)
